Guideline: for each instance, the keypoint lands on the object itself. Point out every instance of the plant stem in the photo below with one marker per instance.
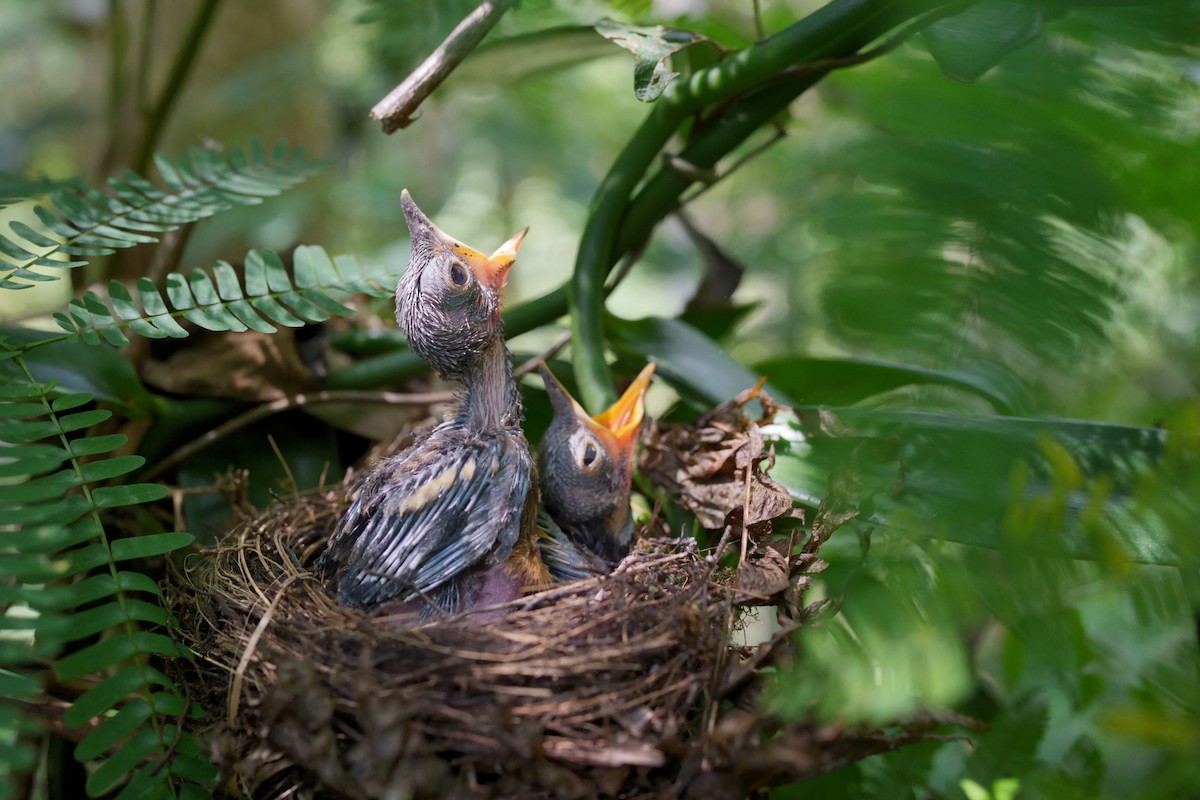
(170, 94)
(838, 29)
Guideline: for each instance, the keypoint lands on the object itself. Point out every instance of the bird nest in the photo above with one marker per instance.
(629, 685)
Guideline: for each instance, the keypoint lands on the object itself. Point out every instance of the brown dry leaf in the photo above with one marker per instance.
(704, 465)
(761, 578)
(248, 366)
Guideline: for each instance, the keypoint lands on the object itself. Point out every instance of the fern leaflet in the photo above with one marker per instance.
(218, 301)
(58, 558)
(81, 222)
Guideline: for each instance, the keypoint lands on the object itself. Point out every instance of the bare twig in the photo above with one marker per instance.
(284, 404)
(396, 110)
(235, 686)
(530, 364)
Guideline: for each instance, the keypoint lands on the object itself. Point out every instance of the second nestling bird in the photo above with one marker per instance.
(448, 523)
(585, 466)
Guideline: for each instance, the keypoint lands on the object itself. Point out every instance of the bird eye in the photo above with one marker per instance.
(589, 455)
(458, 275)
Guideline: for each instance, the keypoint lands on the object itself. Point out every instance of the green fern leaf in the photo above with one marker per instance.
(109, 692)
(217, 301)
(61, 563)
(81, 221)
(137, 749)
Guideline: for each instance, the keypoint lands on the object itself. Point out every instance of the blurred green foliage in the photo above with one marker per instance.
(935, 253)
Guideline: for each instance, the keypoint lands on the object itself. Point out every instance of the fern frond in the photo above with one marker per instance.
(217, 301)
(17, 188)
(64, 573)
(81, 222)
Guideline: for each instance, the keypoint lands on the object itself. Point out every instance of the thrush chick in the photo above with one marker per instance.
(435, 526)
(585, 466)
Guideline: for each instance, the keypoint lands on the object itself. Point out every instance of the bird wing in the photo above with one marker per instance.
(426, 515)
(565, 558)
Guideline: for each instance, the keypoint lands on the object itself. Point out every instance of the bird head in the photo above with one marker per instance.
(586, 464)
(448, 300)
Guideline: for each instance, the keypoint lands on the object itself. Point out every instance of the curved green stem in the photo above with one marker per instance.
(838, 29)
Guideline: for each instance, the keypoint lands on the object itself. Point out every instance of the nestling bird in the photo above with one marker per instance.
(448, 523)
(585, 466)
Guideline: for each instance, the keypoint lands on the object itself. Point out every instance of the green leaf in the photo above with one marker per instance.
(845, 381)
(111, 691)
(95, 471)
(77, 367)
(86, 222)
(96, 445)
(691, 362)
(84, 419)
(49, 487)
(89, 590)
(651, 47)
(113, 650)
(1058, 487)
(114, 729)
(968, 44)
(96, 620)
(66, 510)
(117, 767)
(149, 545)
(131, 495)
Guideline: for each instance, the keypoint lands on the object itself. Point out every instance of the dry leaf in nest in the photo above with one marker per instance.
(705, 465)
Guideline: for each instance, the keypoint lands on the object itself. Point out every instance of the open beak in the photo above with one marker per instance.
(623, 418)
(492, 271)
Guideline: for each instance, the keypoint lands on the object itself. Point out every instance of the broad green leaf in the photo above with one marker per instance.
(21, 432)
(36, 540)
(89, 590)
(48, 487)
(978, 38)
(66, 510)
(18, 685)
(77, 367)
(92, 621)
(845, 381)
(691, 362)
(21, 410)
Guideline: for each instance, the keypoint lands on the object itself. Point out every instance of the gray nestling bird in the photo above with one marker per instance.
(448, 523)
(585, 466)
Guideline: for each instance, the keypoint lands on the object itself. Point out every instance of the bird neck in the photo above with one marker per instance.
(607, 537)
(489, 397)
